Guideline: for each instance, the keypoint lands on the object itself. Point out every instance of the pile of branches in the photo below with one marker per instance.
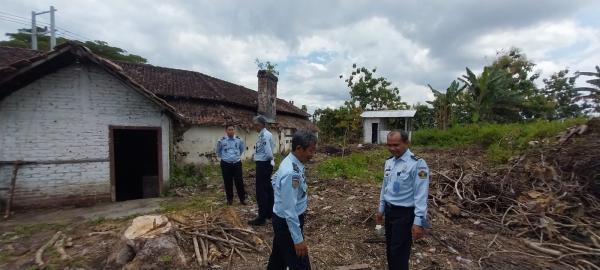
(213, 237)
(546, 196)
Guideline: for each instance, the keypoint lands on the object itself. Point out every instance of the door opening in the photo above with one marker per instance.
(135, 163)
(374, 133)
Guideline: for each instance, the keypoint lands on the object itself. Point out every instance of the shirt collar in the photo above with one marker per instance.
(262, 131)
(294, 159)
(406, 156)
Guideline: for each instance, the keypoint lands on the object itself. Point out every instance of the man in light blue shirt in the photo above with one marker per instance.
(230, 149)
(403, 200)
(263, 157)
(291, 200)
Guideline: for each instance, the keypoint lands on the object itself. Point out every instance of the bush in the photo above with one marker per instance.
(501, 141)
(356, 166)
(186, 175)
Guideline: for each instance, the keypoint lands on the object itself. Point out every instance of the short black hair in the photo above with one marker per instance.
(304, 139)
(229, 125)
(403, 134)
(260, 119)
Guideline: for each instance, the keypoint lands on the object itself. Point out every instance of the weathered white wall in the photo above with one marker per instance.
(367, 128)
(199, 143)
(66, 115)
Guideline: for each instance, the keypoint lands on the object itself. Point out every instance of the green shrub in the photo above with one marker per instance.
(501, 141)
(186, 175)
(356, 166)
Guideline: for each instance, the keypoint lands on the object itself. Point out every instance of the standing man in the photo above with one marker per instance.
(403, 200)
(230, 149)
(263, 157)
(289, 248)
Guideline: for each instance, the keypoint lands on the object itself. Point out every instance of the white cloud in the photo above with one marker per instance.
(410, 43)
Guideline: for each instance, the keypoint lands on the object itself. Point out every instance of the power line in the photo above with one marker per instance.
(19, 19)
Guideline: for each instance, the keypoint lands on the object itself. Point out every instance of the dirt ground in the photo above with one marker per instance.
(339, 231)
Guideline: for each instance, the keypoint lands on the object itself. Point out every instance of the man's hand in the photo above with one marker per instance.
(417, 232)
(301, 249)
(379, 218)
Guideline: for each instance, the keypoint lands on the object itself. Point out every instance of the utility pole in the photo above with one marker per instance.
(52, 28)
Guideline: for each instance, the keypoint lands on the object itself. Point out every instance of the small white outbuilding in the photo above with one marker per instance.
(375, 127)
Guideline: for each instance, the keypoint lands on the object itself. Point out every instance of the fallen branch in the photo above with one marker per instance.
(60, 247)
(197, 251)
(537, 247)
(40, 252)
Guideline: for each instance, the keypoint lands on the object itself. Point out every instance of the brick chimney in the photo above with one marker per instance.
(267, 94)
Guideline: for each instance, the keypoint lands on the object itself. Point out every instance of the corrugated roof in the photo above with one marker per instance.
(388, 114)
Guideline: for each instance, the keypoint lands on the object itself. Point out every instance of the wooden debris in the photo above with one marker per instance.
(197, 251)
(354, 267)
(40, 252)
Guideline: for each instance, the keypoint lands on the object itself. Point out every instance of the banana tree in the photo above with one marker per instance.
(490, 94)
(592, 92)
(443, 104)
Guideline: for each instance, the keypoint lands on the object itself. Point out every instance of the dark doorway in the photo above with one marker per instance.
(136, 163)
(374, 132)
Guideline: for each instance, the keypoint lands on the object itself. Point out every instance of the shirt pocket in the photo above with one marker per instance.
(404, 178)
(386, 179)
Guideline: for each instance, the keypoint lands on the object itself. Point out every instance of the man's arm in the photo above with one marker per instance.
(381, 209)
(288, 203)
(242, 147)
(268, 146)
(218, 148)
(421, 191)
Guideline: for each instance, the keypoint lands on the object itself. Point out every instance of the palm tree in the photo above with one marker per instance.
(593, 92)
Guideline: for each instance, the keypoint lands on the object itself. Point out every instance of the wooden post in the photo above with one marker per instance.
(11, 191)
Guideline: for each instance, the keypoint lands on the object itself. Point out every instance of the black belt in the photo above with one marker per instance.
(391, 206)
(236, 162)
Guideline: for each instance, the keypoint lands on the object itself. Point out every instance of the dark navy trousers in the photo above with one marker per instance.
(398, 235)
(264, 189)
(284, 254)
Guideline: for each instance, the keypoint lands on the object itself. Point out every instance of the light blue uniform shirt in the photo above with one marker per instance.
(230, 149)
(264, 146)
(291, 200)
(406, 183)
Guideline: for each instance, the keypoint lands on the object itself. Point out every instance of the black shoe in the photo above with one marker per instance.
(229, 202)
(257, 221)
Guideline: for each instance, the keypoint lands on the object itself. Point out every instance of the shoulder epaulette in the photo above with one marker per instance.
(415, 157)
(223, 138)
(237, 137)
(390, 157)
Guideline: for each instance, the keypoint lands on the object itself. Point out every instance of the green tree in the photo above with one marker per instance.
(561, 89)
(444, 104)
(591, 93)
(521, 81)
(491, 100)
(101, 48)
(372, 93)
(424, 117)
(339, 125)
(21, 39)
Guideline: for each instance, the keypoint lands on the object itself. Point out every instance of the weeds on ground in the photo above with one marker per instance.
(501, 141)
(363, 166)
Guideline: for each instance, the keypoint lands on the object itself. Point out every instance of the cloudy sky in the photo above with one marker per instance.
(412, 43)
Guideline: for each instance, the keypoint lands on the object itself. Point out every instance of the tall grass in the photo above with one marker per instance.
(365, 166)
(501, 141)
